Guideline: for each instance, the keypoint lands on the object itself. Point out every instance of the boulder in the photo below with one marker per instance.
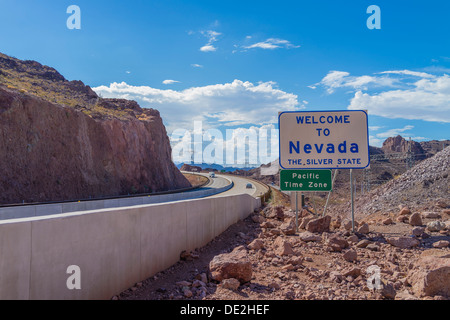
(403, 242)
(402, 218)
(288, 227)
(336, 240)
(417, 231)
(436, 226)
(230, 284)
(363, 229)
(319, 225)
(231, 265)
(267, 225)
(350, 255)
(415, 219)
(276, 212)
(430, 276)
(363, 243)
(431, 215)
(283, 247)
(309, 236)
(304, 222)
(387, 221)
(348, 224)
(353, 272)
(256, 244)
(441, 244)
(257, 218)
(404, 211)
(388, 291)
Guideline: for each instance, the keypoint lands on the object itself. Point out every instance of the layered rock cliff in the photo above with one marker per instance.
(400, 144)
(60, 141)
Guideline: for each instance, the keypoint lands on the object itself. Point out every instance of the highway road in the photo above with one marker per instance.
(240, 186)
(217, 186)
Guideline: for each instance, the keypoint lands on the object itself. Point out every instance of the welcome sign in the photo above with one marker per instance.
(324, 140)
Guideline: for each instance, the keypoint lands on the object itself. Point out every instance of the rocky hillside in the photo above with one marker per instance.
(419, 187)
(381, 170)
(434, 146)
(60, 141)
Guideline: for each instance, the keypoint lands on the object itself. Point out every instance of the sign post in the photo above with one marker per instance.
(296, 211)
(322, 140)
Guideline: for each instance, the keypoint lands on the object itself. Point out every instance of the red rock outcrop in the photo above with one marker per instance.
(399, 144)
(54, 152)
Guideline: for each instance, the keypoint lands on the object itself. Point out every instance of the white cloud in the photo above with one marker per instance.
(401, 93)
(235, 103)
(409, 73)
(168, 81)
(208, 48)
(340, 79)
(272, 43)
(375, 128)
(394, 132)
(376, 142)
(195, 65)
(212, 37)
(428, 99)
(127, 72)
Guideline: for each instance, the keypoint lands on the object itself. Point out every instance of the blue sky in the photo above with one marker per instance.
(235, 64)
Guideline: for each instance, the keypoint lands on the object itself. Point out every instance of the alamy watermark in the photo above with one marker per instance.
(74, 20)
(74, 280)
(374, 21)
(241, 147)
(374, 280)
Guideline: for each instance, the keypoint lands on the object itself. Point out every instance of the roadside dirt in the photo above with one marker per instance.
(322, 274)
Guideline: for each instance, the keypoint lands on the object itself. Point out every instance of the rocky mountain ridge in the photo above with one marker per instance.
(60, 141)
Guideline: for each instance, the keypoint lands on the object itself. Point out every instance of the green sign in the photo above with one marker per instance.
(305, 180)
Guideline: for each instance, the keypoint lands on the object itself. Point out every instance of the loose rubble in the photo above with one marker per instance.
(265, 257)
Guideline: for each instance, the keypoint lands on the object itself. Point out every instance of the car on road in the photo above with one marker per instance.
(212, 175)
(249, 186)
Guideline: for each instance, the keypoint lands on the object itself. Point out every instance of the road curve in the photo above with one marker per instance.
(221, 185)
(240, 186)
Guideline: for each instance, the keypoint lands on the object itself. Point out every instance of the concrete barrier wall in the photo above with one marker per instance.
(58, 208)
(114, 248)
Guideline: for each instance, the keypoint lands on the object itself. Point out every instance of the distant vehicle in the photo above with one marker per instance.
(212, 175)
(249, 186)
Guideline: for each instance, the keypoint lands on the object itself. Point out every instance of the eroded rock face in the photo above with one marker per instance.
(399, 144)
(53, 153)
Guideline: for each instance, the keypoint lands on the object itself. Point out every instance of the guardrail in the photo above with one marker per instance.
(25, 211)
(109, 197)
